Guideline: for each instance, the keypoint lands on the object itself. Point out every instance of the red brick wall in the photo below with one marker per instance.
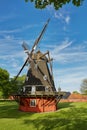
(75, 98)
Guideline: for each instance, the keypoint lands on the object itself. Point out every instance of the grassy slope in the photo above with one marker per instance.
(70, 116)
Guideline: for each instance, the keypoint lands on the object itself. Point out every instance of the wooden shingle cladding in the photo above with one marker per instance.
(39, 74)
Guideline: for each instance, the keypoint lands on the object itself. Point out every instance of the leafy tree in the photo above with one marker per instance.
(7, 85)
(4, 82)
(83, 88)
(4, 75)
(76, 92)
(18, 84)
(56, 3)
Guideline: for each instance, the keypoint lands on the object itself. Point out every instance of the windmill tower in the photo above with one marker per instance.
(39, 93)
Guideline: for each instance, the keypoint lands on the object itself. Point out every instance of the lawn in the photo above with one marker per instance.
(70, 116)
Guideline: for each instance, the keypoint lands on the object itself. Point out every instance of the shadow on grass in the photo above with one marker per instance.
(76, 121)
(58, 124)
(9, 109)
(66, 119)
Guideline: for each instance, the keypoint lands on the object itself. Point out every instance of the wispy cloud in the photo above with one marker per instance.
(65, 44)
(9, 31)
(58, 51)
(70, 78)
(19, 29)
(62, 17)
(73, 58)
(7, 17)
(67, 19)
(68, 52)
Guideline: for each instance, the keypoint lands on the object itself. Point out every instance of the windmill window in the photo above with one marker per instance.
(33, 103)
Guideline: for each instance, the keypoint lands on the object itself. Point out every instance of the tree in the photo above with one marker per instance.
(4, 82)
(83, 88)
(40, 4)
(17, 85)
(76, 92)
(7, 85)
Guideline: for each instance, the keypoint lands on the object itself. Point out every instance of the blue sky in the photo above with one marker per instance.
(65, 38)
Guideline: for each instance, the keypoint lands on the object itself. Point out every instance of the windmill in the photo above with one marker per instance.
(39, 93)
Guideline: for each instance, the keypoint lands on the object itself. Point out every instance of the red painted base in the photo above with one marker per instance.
(29, 104)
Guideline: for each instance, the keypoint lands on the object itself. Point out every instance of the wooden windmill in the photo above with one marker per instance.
(39, 93)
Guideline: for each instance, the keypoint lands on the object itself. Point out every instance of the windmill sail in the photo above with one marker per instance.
(24, 45)
(40, 36)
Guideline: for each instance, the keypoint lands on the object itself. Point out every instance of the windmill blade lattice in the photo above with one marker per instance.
(40, 36)
(21, 69)
(24, 45)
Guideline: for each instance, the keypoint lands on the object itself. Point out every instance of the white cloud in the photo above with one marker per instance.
(74, 65)
(12, 55)
(19, 29)
(70, 78)
(9, 31)
(67, 19)
(58, 54)
(58, 15)
(66, 43)
(8, 37)
(62, 17)
(7, 17)
(66, 52)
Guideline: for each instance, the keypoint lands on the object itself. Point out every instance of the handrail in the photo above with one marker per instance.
(43, 93)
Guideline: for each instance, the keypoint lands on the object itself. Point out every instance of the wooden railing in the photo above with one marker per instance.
(42, 93)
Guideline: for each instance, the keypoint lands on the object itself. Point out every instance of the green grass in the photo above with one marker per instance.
(70, 116)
